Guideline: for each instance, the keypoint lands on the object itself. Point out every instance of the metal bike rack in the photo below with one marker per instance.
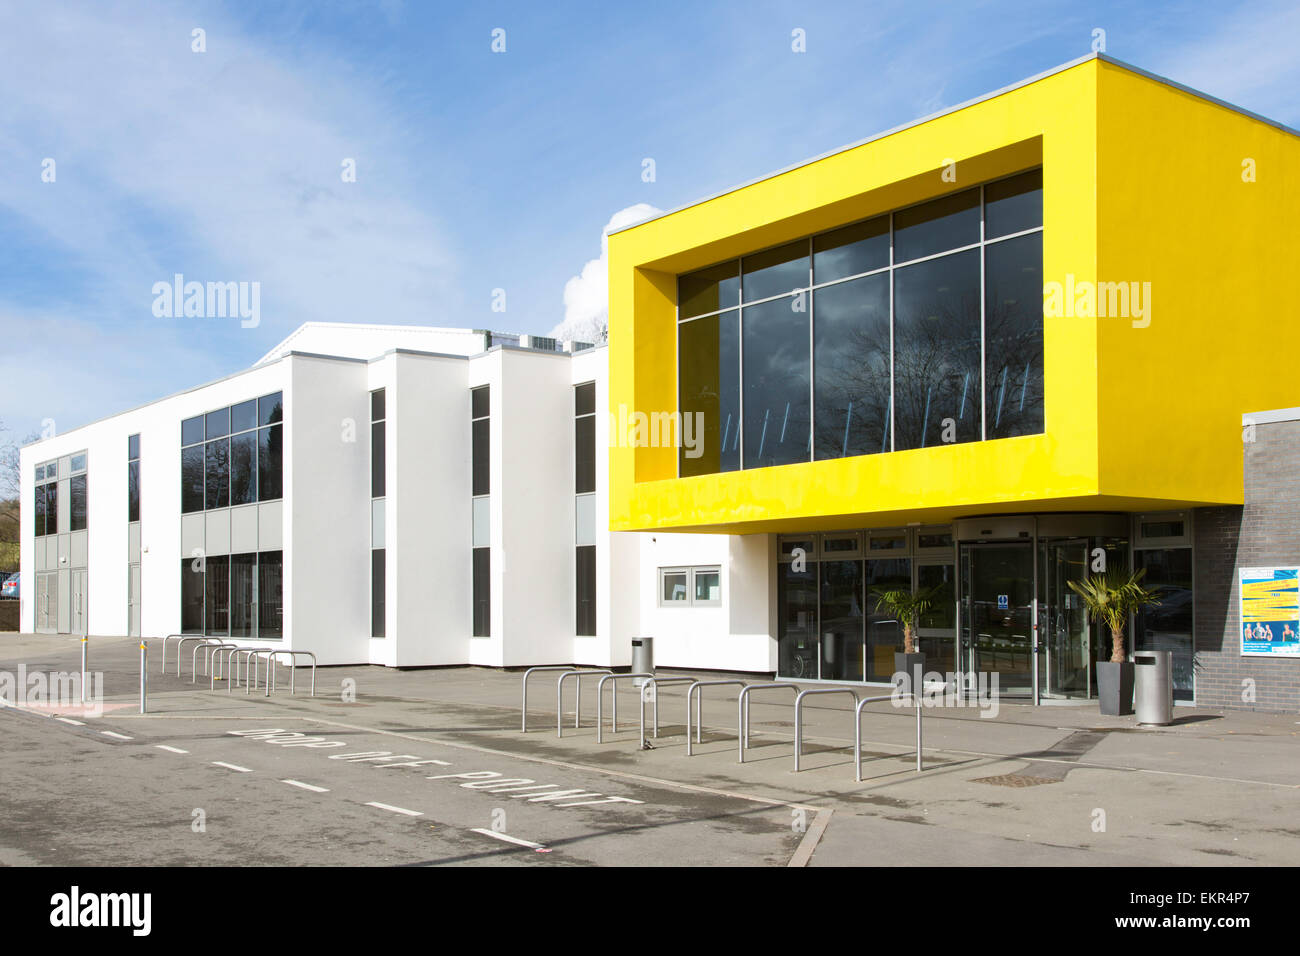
(699, 707)
(578, 675)
(232, 663)
(194, 676)
(523, 729)
(742, 713)
(292, 665)
(208, 648)
(857, 729)
(613, 694)
(171, 637)
(798, 714)
(655, 682)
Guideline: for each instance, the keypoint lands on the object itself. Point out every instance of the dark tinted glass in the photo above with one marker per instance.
(270, 594)
(243, 605)
(270, 456)
(243, 416)
(480, 402)
(216, 595)
(584, 441)
(585, 592)
(851, 329)
(711, 289)
(584, 399)
(77, 505)
(378, 586)
(270, 409)
(777, 366)
(39, 510)
(481, 475)
(133, 491)
(1167, 626)
(217, 424)
(192, 479)
(855, 249)
(191, 596)
(52, 508)
(841, 620)
(796, 601)
(775, 272)
(216, 473)
(243, 469)
(133, 447)
(482, 598)
(936, 226)
(377, 405)
(709, 393)
(378, 461)
(1013, 337)
(937, 351)
(884, 633)
(1013, 205)
(40, 472)
(192, 430)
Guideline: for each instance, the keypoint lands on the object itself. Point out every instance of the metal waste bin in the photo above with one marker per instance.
(1153, 687)
(643, 658)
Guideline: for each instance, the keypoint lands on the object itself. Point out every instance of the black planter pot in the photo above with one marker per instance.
(1115, 688)
(912, 666)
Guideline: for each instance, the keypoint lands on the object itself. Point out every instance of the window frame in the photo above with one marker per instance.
(690, 572)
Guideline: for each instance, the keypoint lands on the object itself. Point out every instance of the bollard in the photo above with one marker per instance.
(144, 658)
(84, 640)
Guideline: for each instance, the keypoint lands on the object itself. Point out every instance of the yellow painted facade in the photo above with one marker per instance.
(1142, 182)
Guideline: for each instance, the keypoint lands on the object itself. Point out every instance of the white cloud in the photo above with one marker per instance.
(586, 295)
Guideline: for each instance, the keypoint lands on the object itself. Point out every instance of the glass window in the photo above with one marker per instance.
(378, 594)
(51, 508)
(192, 430)
(482, 597)
(132, 448)
(40, 472)
(797, 644)
(482, 474)
(1013, 337)
(708, 586)
(78, 463)
(585, 457)
(672, 587)
(807, 545)
(270, 595)
(480, 402)
(378, 460)
(51, 469)
(270, 453)
(1167, 626)
(934, 539)
(776, 371)
(937, 226)
(937, 351)
(243, 595)
(1162, 529)
(840, 623)
(377, 405)
(584, 399)
(851, 367)
(133, 491)
(1013, 205)
(839, 545)
(270, 409)
(39, 510)
(243, 469)
(243, 416)
(191, 596)
(192, 479)
(709, 389)
(77, 505)
(863, 247)
(216, 473)
(585, 595)
(708, 290)
(217, 593)
(217, 424)
(888, 542)
(884, 633)
(777, 271)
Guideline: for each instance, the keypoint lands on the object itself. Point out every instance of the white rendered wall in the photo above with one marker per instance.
(347, 340)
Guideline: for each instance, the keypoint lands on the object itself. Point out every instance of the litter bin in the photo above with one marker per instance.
(643, 658)
(1153, 687)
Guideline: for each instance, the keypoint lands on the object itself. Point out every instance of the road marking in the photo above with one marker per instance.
(305, 786)
(231, 766)
(69, 720)
(109, 733)
(508, 839)
(384, 806)
(171, 750)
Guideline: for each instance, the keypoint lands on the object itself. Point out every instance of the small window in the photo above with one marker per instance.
(78, 463)
(133, 448)
(889, 542)
(839, 544)
(377, 405)
(217, 424)
(672, 587)
(243, 416)
(479, 402)
(584, 399)
(934, 539)
(1162, 529)
(807, 545)
(270, 409)
(690, 587)
(40, 472)
(192, 430)
(708, 586)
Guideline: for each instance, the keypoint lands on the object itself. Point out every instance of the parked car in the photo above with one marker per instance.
(9, 589)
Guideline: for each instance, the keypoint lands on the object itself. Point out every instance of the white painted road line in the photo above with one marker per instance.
(116, 736)
(305, 786)
(508, 839)
(384, 806)
(231, 766)
(69, 720)
(171, 750)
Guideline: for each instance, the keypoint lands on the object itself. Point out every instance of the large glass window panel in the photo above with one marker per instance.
(378, 461)
(216, 469)
(584, 468)
(481, 483)
(797, 621)
(775, 272)
(270, 457)
(1013, 205)
(39, 509)
(841, 620)
(192, 430)
(480, 402)
(862, 247)
(192, 479)
(708, 290)
(482, 592)
(217, 424)
(378, 592)
(243, 469)
(133, 491)
(1168, 625)
(217, 595)
(77, 504)
(1013, 337)
(776, 370)
(243, 416)
(584, 399)
(938, 626)
(937, 226)
(851, 367)
(937, 351)
(585, 593)
(709, 387)
(884, 632)
(270, 595)
(191, 596)
(270, 409)
(52, 508)
(243, 595)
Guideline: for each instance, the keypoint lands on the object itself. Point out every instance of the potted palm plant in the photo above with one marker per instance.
(1112, 597)
(907, 606)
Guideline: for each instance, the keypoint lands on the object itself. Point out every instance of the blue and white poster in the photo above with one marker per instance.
(1270, 612)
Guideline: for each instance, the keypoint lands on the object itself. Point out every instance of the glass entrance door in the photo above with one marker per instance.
(997, 614)
(1064, 633)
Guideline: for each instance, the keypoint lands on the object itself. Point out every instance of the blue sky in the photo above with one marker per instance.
(475, 170)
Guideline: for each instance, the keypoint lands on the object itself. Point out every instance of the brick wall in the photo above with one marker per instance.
(1265, 532)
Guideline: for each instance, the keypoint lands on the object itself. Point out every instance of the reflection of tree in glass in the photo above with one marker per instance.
(937, 370)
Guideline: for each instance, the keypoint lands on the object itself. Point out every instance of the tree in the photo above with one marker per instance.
(1112, 597)
(907, 606)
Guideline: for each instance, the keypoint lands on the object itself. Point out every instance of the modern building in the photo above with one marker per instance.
(988, 352)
